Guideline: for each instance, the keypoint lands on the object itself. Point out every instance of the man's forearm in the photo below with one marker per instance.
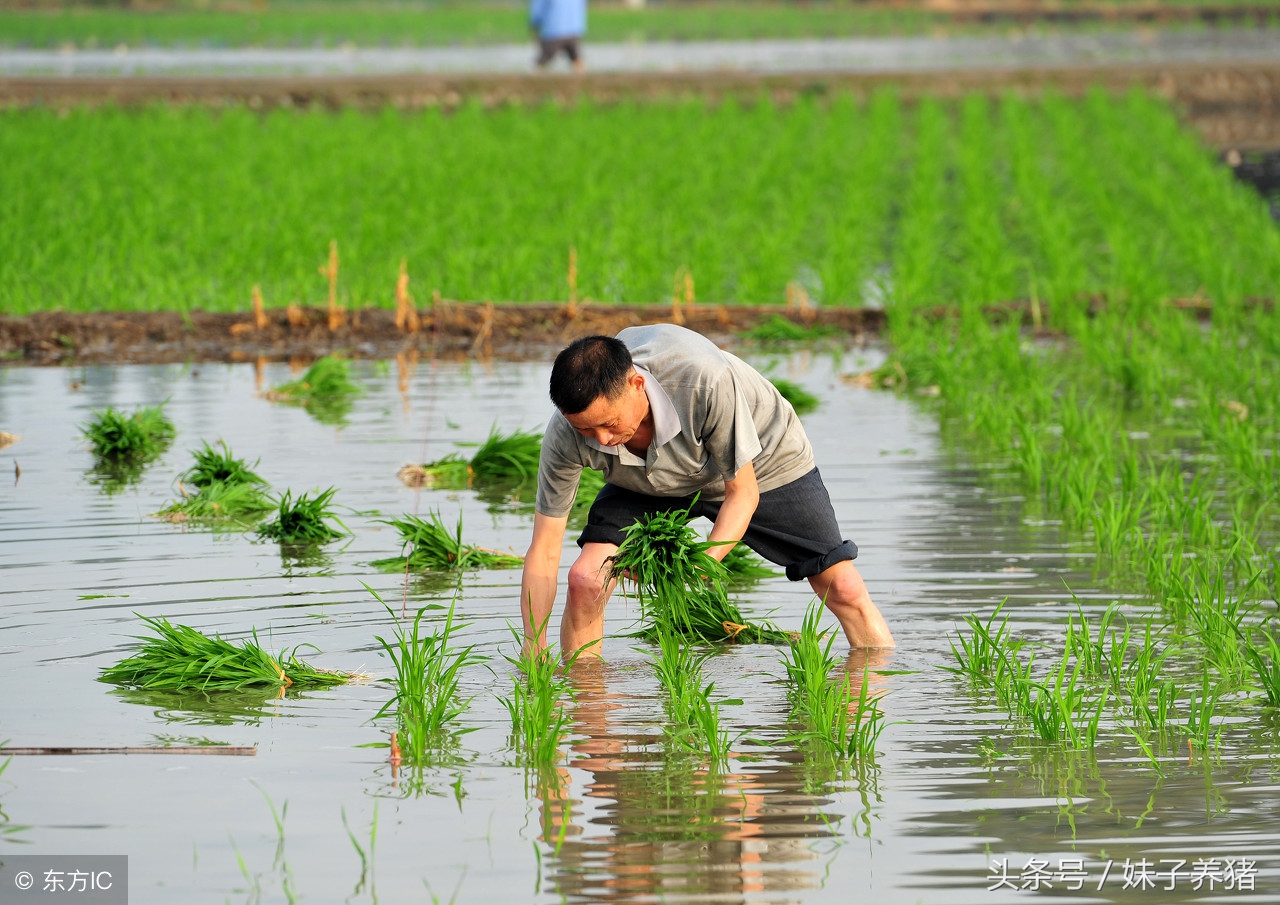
(741, 497)
(537, 600)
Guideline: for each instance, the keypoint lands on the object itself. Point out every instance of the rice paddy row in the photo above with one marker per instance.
(1148, 429)
(934, 204)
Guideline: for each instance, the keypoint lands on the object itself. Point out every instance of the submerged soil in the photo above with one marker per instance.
(451, 329)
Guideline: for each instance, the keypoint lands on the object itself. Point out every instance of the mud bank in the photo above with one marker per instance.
(453, 329)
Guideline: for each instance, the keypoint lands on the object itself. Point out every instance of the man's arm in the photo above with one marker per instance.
(741, 496)
(538, 584)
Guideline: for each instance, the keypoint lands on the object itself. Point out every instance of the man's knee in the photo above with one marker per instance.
(840, 585)
(589, 579)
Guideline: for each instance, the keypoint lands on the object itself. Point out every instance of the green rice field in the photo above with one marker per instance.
(330, 24)
(879, 202)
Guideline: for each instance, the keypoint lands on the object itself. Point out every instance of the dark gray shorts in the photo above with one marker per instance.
(794, 525)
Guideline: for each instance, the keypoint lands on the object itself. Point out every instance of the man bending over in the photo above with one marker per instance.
(666, 415)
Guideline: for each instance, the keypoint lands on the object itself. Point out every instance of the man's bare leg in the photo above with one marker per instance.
(845, 594)
(590, 584)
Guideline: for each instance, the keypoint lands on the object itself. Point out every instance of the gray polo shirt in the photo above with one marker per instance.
(712, 414)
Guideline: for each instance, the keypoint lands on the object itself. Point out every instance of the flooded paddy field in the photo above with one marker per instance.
(960, 798)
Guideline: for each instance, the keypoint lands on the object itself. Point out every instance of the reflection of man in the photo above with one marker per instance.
(666, 415)
(560, 24)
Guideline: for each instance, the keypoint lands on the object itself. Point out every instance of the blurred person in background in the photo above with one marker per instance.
(559, 24)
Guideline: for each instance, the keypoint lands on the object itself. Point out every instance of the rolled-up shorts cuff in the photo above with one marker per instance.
(811, 567)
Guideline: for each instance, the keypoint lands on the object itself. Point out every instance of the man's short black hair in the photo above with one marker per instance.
(587, 369)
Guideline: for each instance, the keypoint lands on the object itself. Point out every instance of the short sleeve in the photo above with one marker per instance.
(559, 470)
(729, 431)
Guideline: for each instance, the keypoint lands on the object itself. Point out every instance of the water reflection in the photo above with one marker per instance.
(655, 823)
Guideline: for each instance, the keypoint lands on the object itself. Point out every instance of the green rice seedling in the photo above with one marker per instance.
(841, 724)
(706, 718)
(237, 504)
(986, 647)
(217, 465)
(123, 441)
(1201, 709)
(428, 545)
(680, 586)
(810, 662)
(742, 565)
(679, 670)
(801, 399)
(180, 658)
(1264, 659)
(325, 390)
(537, 705)
(863, 730)
(304, 521)
(426, 682)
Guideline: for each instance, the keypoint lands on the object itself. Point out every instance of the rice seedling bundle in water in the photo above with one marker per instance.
(305, 520)
(325, 389)
(180, 658)
(119, 437)
(509, 457)
(681, 588)
(801, 399)
(224, 488)
(430, 545)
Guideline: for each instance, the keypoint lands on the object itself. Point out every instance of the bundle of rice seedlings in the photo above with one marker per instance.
(181, 658)
(304, 520)
(778, 330)
(501, 457)
(136, 437)
(222, 488)
(237, 504)
(325, 390)
(217, 465)
(681, 588)
(428, 544)
(801, 399)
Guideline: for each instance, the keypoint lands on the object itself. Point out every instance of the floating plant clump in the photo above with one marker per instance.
(124, 444)
(137, 436)
(221, 488)
(428, 545)
(681, 587)
(801, 399)
(304, 521)
(501, 457)
(325, 389)
(217, 465)
(180, 658)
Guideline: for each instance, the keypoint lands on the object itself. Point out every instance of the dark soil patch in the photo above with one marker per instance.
(453, 329)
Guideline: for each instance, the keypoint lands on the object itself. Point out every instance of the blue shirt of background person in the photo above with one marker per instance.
(554, 19)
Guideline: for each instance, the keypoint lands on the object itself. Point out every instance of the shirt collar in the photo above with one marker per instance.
(666, 423)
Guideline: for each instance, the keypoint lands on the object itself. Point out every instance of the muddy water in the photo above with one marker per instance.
(625, 824)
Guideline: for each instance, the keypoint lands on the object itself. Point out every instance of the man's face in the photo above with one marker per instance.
(612, 422)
